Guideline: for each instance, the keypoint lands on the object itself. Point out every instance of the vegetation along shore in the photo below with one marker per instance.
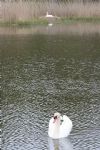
(29, 12)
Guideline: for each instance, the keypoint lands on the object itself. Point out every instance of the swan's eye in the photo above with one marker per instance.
(55, 117)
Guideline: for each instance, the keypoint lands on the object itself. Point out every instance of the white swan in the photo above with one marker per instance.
(59, 126)
(48, 15)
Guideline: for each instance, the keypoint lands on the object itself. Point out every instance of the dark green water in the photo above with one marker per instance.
(41, 74)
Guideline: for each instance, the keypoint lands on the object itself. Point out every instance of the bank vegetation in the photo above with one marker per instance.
(31, 11)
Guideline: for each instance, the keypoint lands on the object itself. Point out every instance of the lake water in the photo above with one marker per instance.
(51, 69)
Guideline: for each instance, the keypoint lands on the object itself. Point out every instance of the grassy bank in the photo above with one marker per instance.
(28, 23)
(24, 22)
(28, 13)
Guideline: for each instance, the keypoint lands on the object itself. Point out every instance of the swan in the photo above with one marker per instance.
(49, 16)
(59, 126)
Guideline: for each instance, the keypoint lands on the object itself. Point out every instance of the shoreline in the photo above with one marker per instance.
(28, 13)
(61, 21)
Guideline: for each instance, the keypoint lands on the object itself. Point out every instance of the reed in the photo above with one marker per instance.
(30, 10)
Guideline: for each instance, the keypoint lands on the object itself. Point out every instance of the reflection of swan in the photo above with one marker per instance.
(50, 24)
(61, 144)
(59, 126)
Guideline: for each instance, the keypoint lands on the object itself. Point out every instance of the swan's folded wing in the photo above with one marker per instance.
(65, 127)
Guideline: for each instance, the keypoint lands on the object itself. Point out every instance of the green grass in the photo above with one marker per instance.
(24, 23)
(81, 19)
(62, 20)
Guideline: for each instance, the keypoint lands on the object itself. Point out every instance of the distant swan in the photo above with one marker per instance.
(59, 126)
(48, 15)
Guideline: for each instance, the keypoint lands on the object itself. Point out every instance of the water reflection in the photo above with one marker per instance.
(61, 144)
(46, 73)
(74, 28)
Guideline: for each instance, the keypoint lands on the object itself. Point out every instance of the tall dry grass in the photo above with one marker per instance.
(21, 10)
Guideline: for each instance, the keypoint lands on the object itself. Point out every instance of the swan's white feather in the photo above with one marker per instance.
(65, 127)
(62, 131)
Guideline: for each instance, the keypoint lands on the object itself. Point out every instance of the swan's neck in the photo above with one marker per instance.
(56, 129)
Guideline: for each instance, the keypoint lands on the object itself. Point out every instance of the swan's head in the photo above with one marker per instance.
(56, 117)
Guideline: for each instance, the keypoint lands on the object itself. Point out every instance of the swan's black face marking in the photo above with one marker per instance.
(55, 117)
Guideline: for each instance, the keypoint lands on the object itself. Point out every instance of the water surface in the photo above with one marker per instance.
(44, 73)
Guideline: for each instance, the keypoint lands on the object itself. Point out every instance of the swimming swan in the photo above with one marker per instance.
(59, 126)
(49, 15)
